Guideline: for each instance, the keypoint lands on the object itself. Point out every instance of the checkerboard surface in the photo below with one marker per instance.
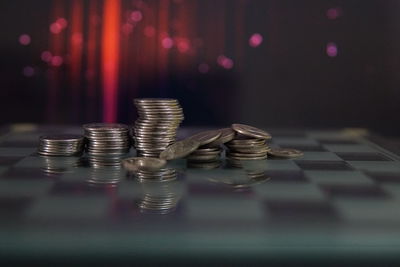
(342, 196)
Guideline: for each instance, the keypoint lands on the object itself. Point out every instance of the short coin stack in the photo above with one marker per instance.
(156, 126)
(249, 144)
(205, 157)
(61, 145)
(107, 139)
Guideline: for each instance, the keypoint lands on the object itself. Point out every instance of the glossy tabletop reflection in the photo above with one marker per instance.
(341, 197)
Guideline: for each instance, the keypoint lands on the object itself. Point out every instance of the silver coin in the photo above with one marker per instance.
(227, 134)
(206, 137)
(60, 138)
(180, 149)
(250, 131)
(285, 152)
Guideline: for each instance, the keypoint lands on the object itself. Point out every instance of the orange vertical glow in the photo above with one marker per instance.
(75, 50)
(54, 75)
(110, 58)
(163, 26)
(92, 58)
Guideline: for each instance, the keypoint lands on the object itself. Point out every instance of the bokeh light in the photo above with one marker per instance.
(183, 45)
(28, 71)
(149, 31)
(62, 22)
(55, 28)
(56, 61)
(204, 68)
(331, 49)
(46, 56)
(334, 13)
(255, 40)
(167, 43)
(225, 62)
(136, 16)
(127, 28)
(24, 39)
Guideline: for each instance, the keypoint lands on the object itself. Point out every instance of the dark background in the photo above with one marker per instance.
(287, 81)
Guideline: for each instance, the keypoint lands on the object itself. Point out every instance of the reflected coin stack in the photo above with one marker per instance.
(105, 175)
(205, 157)
(59, 165)
(107, 139)
(246, 148)
(156, 126)
(61, 145)
(105, 161)
(158, 198)
(161, 175)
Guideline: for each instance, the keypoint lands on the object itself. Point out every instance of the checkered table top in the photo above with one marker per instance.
(342, 196)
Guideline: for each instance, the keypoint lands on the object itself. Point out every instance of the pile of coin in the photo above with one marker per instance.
(205, 158)
(61, 145)
(249, 144)
(156, 126)
(107, 139)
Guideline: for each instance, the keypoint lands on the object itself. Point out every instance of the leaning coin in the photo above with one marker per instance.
(227, 134)
(180, 149)
(206, 137)
(285, 152)
(145, 164)
(250, 131)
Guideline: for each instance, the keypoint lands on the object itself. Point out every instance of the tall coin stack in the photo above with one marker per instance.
(246, 148)
(156, 126)
(61, 145)
(106, 139)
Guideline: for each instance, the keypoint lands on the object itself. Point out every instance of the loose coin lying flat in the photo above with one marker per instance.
(285, 152)
(206, 137)
(143, 164)
(180, 149)
(250, 131)
(227, 134)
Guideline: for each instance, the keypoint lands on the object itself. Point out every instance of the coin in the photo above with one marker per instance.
(227, 134)
(206, 137)
(180, 149)
(144, 164)
(250, 131)
(285, 152)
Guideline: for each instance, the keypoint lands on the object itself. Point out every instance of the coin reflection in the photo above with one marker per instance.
(159, 198)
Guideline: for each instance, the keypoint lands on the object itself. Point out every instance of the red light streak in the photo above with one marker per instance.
(110, 58)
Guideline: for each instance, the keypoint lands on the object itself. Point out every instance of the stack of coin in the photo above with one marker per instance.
(107, 139)
(61, 145)
(205, 157)
(250, 143)
(157, 124)
(244, 148)
(208, 154)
